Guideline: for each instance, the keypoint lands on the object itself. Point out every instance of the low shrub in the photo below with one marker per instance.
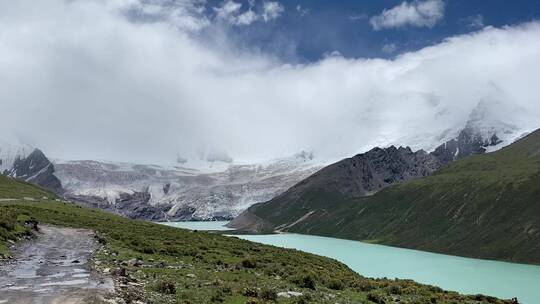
(165, 287)
(249, 264)
(268, 295)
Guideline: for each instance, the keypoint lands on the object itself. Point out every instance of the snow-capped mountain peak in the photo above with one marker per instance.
(486, 122)
(12, 149)
(486, 130)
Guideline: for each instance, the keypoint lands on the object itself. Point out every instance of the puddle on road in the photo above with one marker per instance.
(65, 283)
(51, 266)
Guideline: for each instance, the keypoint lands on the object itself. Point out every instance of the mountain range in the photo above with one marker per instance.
(368, 173)
(221, 189)
(179, 193)
(480, 205)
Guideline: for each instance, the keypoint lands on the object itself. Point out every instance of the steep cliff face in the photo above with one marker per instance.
(467, 143)
(36, 169)
(28, 164)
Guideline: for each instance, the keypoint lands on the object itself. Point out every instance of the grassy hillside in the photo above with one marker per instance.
(12, 227)
(358, 176)
(11, 188)
(197, 267)
(485, 206)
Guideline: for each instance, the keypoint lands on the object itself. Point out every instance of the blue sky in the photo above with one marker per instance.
(306, 30)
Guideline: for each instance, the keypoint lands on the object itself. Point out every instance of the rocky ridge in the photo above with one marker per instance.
(367, 173)
(28, 164)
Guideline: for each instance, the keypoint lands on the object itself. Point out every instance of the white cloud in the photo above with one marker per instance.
(247, 18)
(82, 81)
(475, 22)
(357, 17)
(228, 11)
(420, 13)
(184, 14)
(231, 12)
(333, 53)
(302, 11)
(389, 48)
(272, 10)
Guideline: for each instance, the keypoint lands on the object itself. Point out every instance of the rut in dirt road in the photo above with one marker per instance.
(52, 269)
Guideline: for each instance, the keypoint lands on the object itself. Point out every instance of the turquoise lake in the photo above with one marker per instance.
(469, 276)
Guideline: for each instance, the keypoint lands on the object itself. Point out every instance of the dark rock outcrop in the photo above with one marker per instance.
(367, 173)
(361, 175)
(36, 169)
(136, 205)
(467, 143)
(484, 129)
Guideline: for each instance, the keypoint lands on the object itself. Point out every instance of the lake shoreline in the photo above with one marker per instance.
(462, 274)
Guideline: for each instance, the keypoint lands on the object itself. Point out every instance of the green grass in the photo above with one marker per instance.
(202, 267)
(12, 188)
(11, 222)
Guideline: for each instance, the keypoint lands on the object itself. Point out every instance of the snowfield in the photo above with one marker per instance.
(208, 194)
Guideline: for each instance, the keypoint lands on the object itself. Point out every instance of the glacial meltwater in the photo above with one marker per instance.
(464, 275)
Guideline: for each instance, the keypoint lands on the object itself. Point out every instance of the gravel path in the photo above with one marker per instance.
(53, 268)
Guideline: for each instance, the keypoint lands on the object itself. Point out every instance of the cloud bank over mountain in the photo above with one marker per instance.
(137, 81)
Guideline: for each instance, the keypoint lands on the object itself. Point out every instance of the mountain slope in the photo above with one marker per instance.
(484, 206)
(36, 169)
(366, 174)
(15, 189)
(484, 131)
(162, 264)
(361, 175)
(28, 164)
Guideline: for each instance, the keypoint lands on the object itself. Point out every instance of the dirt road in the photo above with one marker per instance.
(53, 269)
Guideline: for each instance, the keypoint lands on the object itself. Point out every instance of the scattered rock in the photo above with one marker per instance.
(135, 263)
(75, 262)
(121, 272)
(289, 294)
(191, 275)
